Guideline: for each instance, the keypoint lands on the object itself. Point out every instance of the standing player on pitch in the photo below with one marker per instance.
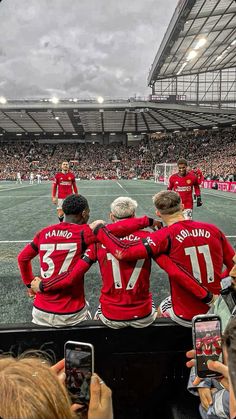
(63, 185)
(183, 183)
(199, 175)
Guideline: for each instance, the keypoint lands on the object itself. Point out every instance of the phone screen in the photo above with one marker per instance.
(79, 369)
(208, 344)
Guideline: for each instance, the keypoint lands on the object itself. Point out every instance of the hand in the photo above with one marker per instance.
(157, 225)
(35, 284)
(222, 369)
(95, 223)
(199, 201)
(30, 293)
(100, 406)
(191, 355)
(54, 200)
(214, 298)
(205, 397)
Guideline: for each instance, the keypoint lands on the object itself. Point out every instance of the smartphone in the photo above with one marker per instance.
(79, 367)
(207, 341)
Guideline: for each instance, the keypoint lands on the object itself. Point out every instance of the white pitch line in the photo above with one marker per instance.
(220, 196)
(87, 195)
(13, 189)
(28, 241)
(15, 241)
(122, 187)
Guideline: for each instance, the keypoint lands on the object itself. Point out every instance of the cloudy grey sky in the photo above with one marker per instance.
(79, 48)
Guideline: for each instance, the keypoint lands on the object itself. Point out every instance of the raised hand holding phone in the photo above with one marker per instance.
(207, 340)
(79, 367)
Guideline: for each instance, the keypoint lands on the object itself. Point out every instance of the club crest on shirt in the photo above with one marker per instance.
(188, 181)
(69, 178)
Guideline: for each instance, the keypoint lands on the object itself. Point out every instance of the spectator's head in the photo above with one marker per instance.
(30, 389)
(233, 273)
(230, 343)
(76, 209)
(65, 166)
(182, 166)
(123, 207)
(168, 204)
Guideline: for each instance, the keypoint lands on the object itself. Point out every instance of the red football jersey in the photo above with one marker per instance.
(59, 247)
(207, 345)
(198, 173)
(125, 291)
(198, 249)
(64, 185)
(199, 346)
(217, 345)
(184, 185)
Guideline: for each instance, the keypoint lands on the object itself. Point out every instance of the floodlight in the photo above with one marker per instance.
(3, 100)
(100, 99)
(192, 54)
(200, 43)
(75, 100)
(57, 117)
(54, 100)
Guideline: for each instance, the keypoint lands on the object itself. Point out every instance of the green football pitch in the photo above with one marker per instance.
(25, 209)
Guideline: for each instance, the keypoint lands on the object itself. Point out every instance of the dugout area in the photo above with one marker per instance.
(145, 368)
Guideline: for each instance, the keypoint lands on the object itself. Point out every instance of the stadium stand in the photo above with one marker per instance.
(214, 152)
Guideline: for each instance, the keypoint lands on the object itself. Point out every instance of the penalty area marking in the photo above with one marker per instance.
(121, 187)
(28, 241)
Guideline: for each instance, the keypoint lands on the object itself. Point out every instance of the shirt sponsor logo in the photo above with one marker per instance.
(183, 188)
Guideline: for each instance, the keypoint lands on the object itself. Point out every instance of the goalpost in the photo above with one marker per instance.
(163, 171)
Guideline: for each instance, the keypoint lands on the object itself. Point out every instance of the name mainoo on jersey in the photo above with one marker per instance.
(196, 232)
(58, 233)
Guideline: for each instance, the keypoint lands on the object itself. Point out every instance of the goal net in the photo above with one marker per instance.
(163, 171)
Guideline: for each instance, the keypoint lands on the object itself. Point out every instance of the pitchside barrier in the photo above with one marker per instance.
(144, 367)
(221, 186)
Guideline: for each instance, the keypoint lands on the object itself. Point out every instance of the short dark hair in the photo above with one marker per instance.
(74, 204)
(230, 342)
(182, 161)
(167, 202)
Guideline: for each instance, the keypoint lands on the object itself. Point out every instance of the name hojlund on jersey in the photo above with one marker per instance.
(196, 232)
(59, 233)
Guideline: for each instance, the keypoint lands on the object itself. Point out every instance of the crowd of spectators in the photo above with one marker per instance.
(213, 151)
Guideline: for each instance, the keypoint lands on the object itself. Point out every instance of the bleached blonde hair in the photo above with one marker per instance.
(123, 207)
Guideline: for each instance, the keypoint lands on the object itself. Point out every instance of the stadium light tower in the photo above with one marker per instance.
(100, 99)
(55, 100)
(3, 100)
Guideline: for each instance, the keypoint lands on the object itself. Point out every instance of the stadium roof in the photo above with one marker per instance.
(66, 119)
(201, 37)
